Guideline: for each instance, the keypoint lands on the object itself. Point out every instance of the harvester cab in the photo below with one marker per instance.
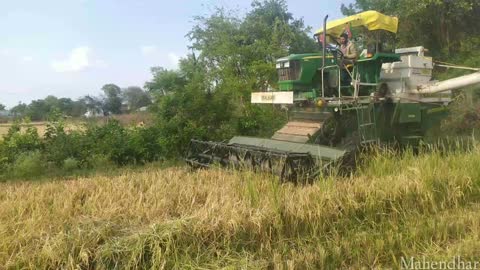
(384, 95)
(317, 77)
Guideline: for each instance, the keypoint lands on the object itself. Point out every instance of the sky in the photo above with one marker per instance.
(71, 48)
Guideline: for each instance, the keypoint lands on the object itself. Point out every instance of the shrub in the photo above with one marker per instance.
(15, 142)
(28, 165)
(464, 117)
(99, 161)
(70, 164)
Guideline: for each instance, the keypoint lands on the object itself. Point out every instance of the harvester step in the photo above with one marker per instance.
(297, 131)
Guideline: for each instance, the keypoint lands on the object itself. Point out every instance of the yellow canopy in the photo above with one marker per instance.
(371, 19)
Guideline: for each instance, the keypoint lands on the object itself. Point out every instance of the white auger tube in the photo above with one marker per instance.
(451, 84)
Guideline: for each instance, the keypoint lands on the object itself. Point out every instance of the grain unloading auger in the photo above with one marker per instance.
(385, 95)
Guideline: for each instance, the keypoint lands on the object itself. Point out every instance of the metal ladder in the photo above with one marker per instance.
(367, 123)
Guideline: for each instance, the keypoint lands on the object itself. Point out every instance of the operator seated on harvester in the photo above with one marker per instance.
(348, 49)
(350, 55)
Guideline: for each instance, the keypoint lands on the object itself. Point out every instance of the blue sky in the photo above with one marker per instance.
(70, 48)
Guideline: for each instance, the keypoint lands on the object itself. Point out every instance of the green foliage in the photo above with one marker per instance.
(19, 110)
(39, 110)
(93, 104)
(464, 118)
(209, 96)
(165, 81)
(136, 97)
(27, 165)
(15, 143)
(113, 100)
(441, 26)
(96, 146)
(113, 141)
(70, 164)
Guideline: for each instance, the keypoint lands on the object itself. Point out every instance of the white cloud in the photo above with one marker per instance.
(148, 50)
(78, 60)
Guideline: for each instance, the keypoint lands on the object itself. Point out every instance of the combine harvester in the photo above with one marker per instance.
(333, 111)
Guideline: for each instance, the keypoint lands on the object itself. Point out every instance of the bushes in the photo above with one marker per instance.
(464, 117)
(122, 145)
(26, 154)
(28, 164)
(16, 143)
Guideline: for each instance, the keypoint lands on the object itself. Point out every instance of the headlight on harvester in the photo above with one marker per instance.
(320, 103)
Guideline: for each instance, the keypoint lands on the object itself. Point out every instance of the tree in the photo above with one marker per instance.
(165, 81)
(51, 102)
(113, 99)
(78, 108)
(136, 97)
(19, 110)
(208, 97)
(92, 104)
(2, 107)
(444, 27)
(38, 110)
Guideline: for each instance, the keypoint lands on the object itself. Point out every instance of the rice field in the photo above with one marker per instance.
(134, 119)
(393, 207)
(40, 126)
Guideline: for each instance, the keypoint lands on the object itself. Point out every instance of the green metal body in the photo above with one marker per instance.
(371, 120)
(338, 118)
(335, 109)
(318, 151)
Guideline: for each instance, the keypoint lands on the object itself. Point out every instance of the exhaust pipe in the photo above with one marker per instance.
(324, 44)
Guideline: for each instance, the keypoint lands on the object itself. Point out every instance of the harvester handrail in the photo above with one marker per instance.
(323, 84)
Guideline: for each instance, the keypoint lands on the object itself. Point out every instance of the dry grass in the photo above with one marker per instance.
(133, 119)
(40, 126)
(128, 120)
(172, 218)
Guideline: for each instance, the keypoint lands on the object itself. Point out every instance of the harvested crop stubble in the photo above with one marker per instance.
(173, 218)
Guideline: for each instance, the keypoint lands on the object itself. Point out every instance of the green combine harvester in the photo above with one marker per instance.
(386, 95)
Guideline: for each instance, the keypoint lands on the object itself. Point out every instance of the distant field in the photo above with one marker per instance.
(426, 207)
(40, 126)
(74, 124)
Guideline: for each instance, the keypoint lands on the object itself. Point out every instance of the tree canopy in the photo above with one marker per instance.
(113, 99)
(136, 97)
(449, 29)
(208, 97)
